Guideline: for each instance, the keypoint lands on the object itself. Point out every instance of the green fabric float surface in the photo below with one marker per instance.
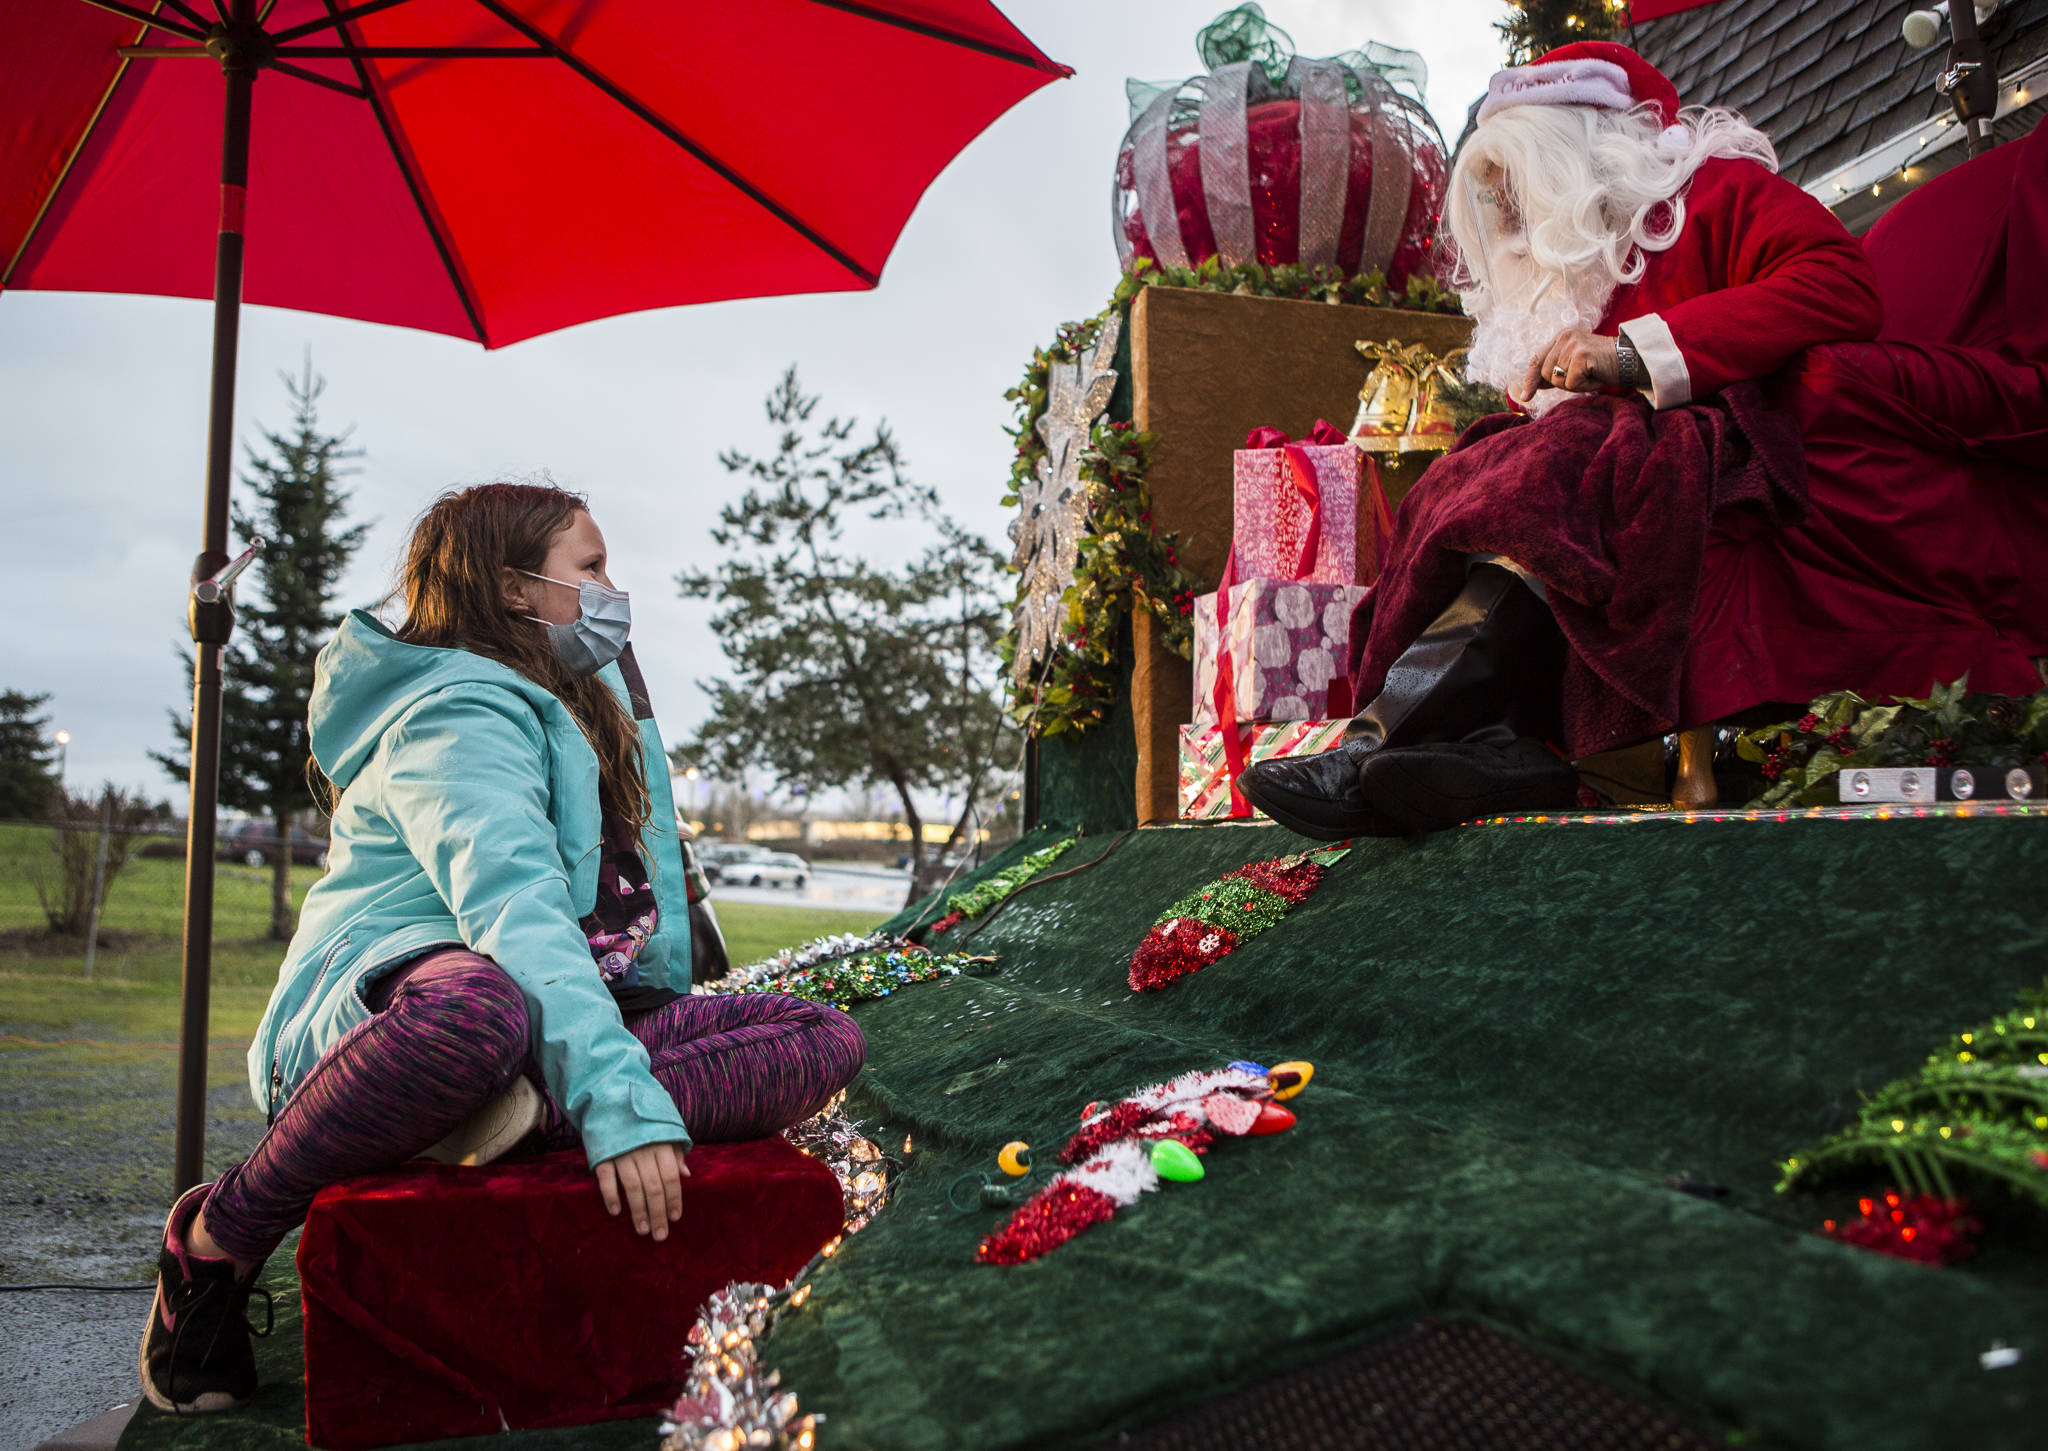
(1525, 1037)
(1086, 781)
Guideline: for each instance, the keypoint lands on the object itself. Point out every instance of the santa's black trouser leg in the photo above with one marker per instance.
(1475, 691)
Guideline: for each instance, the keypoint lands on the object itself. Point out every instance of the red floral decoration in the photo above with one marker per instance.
(1925, 1228)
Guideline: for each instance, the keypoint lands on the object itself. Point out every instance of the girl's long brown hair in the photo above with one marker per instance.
(453, 584)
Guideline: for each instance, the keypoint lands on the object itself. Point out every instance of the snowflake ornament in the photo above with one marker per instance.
(1053, 509)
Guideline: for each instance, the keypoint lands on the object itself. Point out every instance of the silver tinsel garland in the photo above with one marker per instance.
(797, 959)
(729, 1400)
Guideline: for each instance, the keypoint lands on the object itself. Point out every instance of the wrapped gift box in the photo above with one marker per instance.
(1205, 771)
(1270, 515)
(1288, 641)
(443, 1301)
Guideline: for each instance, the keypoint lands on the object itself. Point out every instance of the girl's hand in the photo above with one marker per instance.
(651, 1177)
(1577, 361)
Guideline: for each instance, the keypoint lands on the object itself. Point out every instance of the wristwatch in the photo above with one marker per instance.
(1632, 374)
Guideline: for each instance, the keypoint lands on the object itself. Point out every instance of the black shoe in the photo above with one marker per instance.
(1317, 796)
(196, 1354)
(1428, 788)
(1486, 670)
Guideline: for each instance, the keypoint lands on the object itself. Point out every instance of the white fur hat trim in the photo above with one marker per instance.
(1588, 82)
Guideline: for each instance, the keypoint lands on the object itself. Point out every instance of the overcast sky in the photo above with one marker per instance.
(103, 398)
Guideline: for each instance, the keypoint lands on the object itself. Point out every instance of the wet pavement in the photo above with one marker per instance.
(854, 885)
(85, 1159)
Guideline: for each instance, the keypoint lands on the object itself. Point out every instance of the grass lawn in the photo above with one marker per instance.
(133, 995)
(87, 1072)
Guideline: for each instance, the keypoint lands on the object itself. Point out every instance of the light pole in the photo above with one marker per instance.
(63, 739)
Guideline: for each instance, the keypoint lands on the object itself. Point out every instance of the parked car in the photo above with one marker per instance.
(253, 842)
(770, 868)
(715, 856)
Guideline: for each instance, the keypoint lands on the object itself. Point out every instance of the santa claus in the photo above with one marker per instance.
(1632, 268)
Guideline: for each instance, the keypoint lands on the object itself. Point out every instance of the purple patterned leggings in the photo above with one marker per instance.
(450, 1033)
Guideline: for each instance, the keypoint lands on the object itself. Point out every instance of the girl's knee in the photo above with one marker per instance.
(842, 1045)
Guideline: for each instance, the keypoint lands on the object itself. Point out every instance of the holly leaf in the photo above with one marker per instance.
(1873, 723)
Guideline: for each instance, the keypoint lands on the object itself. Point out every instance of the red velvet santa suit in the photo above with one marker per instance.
(1760, 273)
(1922, 557)
(1919, 557)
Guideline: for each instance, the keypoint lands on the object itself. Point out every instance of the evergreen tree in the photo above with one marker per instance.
(1534, 27)
(847, 674)
(27, 755)
(267, 669)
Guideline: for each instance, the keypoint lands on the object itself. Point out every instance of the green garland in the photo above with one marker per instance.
(1125, 563)
(1843, 731)
(977, 899)
(1978, 1109)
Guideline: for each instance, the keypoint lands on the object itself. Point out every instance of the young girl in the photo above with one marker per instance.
(504, 902)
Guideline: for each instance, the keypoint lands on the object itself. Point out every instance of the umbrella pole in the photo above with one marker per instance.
(212, 620)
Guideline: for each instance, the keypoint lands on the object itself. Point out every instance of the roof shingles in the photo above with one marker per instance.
(1826, 79)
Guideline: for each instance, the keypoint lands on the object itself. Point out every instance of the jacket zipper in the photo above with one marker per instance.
(277, 1053)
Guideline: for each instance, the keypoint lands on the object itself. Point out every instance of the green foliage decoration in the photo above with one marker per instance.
(1535, 27)
(1125, 563)
(1977, 1111)
(1842, 731)
(977, 899)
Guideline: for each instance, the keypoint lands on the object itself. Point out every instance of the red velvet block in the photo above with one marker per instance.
(454, 1302)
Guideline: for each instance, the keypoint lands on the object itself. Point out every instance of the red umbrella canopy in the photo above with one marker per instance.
(606, 156)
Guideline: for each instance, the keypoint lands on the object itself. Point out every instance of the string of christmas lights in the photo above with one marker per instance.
(1976, 1112)
(1959, 810)
(730, 1401)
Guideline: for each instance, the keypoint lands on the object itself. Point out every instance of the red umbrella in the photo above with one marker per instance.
(492, 169)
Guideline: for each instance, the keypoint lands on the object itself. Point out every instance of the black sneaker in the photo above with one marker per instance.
(195, 1353)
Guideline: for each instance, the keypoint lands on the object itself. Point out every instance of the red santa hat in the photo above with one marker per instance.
(1595, 73)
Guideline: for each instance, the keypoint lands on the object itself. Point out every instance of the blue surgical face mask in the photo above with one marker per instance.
(591, 641)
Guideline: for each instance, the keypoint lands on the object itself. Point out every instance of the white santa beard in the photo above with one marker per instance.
(1518, 318)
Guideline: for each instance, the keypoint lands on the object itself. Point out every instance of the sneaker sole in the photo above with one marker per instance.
(489, 1134)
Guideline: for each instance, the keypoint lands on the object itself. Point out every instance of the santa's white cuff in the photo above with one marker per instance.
(1670, 380)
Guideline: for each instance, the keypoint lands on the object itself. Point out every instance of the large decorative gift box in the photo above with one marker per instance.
(1295, 507)
(1205, 779)
(444, 1301)
(1285, 644)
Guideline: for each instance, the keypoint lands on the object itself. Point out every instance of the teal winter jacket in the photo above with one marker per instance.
(468, 816)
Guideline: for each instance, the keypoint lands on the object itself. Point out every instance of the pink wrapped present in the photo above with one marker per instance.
(1295, 507)
(1205, 772)
(1286, 643)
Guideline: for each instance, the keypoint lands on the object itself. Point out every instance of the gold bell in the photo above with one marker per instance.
(1432, 428)
(1387, 400)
